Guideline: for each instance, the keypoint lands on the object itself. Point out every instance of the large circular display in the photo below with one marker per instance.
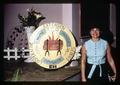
(52, 45)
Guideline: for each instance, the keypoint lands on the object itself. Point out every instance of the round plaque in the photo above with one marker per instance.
(52, 45)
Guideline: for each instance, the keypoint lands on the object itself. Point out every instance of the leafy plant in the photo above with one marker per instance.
(33, 18)
(16, 75)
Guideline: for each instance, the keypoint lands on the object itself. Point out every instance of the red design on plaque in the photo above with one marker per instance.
(51, 44)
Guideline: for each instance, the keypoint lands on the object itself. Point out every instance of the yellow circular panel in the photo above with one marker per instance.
(52, 45)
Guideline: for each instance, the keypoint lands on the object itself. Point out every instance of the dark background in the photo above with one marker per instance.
(94, 12)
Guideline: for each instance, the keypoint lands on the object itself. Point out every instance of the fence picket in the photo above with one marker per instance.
(16, 56)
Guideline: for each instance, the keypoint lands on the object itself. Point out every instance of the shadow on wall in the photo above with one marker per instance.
(76, 42)
(108, 35)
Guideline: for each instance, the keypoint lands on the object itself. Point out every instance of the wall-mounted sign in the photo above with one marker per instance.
(52, 45)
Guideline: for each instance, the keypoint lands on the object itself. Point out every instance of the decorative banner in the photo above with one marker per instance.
(52, 45)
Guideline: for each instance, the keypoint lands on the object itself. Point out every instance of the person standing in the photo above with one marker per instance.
(96, 53)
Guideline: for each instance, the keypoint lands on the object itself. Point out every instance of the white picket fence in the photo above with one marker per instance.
(17, 53)
(8, 53)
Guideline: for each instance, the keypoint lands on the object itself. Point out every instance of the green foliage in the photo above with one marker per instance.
(16, 75)
(32, 19)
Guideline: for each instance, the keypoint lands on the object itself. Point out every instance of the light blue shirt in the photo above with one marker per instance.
(95, 52)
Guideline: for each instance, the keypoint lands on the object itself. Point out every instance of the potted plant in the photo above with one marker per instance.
(30, 23)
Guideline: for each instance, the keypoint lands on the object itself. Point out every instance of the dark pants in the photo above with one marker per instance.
(96, 79)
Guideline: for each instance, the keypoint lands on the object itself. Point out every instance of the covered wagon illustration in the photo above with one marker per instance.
(53, 44)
